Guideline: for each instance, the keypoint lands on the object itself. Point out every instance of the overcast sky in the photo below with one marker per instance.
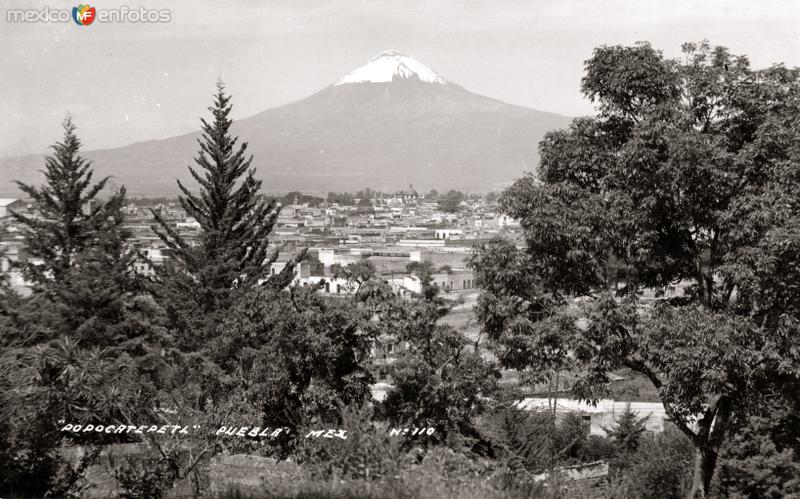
(130, 82)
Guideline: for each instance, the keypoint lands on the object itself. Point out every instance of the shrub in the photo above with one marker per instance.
(368, 453)
(662, 465)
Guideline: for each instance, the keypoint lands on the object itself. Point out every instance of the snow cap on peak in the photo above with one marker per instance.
(389, 65)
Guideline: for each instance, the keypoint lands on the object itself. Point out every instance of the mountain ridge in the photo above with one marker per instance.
(347, 136)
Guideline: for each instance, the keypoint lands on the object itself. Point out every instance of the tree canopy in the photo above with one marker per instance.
(451, 201)
(688, 174)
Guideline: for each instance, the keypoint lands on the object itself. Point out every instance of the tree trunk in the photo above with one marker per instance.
(704, 465)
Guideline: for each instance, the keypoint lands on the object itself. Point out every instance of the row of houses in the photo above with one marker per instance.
(390, 263)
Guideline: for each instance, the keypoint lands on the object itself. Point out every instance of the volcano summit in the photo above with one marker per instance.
(389, 66)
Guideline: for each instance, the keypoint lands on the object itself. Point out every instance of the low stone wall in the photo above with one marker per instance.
(586, 471)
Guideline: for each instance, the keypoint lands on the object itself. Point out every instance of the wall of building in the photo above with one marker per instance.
(447, 281)
(603, 415)
(330, 257)
(453, 259)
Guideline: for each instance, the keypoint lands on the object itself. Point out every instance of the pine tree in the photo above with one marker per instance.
(71, 218)
(233, 249)
(77, 257)
(626, 433)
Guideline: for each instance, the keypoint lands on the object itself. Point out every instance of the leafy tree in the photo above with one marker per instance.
(46, 386)
(297, 197)
(686, 174)
(365, 197)
(300, 357)
(356, 274)
(441, 380)
(452, 201)
(430, 290)
(344, 198)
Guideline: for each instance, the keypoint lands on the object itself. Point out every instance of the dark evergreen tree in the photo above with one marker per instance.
(233, 248)
(81, 345)
(77, 260)
(71, 217)
(762, 458)
(626, 433)
(628, 430)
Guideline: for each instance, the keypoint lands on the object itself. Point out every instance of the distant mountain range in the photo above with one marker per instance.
(387, 124)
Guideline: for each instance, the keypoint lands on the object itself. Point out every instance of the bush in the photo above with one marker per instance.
(661, 466)
(139, 479)
(368, 453)
(534, 441)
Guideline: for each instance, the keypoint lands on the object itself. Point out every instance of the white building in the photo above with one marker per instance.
(448, 233)
(329, 256)
(455, 280)
(506, 221)
(604, 414)
(422, 243)
(7, 204)
(154, 256)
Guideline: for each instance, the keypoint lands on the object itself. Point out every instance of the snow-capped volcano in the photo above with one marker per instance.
(385, 125)
(387, 66)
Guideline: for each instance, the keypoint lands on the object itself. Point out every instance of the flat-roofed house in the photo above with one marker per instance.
(603, 415)
(7, 204)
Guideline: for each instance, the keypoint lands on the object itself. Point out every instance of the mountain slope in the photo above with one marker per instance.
(387, 124)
